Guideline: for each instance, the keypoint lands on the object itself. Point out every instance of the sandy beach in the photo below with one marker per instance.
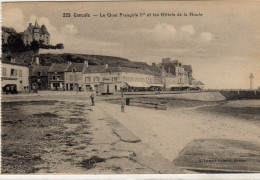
(170, 131)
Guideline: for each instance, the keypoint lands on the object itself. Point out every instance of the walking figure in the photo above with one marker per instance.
(92, 96)
(122, 101)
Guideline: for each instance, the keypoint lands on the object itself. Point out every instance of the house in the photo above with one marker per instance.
(177, 69)
(56, 76)
(39, 77)
(15, 76)
(104, 79)
(74, 76)
(101, 79)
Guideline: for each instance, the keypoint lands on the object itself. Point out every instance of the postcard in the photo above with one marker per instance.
(130, 88)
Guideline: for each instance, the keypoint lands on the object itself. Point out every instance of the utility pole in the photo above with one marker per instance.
(251, 77)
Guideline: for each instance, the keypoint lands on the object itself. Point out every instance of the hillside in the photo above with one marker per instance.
(48, 59)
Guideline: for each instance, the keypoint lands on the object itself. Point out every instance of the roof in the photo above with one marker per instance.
(39, 68)
(79, 67)
(8, 29)
(44, 30)
(188, 68)
(137, 84)
(170, 75)
(14, 64)
(103, 69)
(62, 67)
(17, 61)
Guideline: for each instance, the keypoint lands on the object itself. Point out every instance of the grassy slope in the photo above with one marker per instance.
(48, 59)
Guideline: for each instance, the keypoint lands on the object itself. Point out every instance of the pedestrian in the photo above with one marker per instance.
(122, 101)
(92, 97)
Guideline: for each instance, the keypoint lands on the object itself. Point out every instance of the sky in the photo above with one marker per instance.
(222, 45)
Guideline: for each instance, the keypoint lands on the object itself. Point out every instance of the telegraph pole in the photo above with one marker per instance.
(251, 77)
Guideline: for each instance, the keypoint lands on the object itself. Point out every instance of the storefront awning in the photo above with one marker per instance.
(156, 85)
(137, 84)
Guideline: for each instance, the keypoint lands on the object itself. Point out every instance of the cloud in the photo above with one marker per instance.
(188, 29)
(162, 31)
(206, 36)
(165, 28)
(70, 28)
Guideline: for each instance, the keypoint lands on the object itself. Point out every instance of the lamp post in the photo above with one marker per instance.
(251, 77)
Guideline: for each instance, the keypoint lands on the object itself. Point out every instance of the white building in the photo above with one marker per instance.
(104, 79)
(74, 76)
(14, 75)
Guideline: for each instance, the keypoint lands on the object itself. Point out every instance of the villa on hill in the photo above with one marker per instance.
(36, 33)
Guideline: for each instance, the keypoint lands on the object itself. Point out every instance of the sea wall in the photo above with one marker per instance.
(240, 94)
(194, 96)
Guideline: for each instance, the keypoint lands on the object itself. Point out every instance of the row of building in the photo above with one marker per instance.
(167, 75)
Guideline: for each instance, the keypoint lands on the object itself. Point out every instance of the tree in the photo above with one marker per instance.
(19, 45)
(35, 45)
(15, 44)
(59, 46)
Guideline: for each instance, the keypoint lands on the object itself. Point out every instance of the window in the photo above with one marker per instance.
(14, 72)
(55, 78)
(39, 73)
(20, 73)
(87, 79)
(96, 79)
(71, 77)
(78, 77)
(3, 71)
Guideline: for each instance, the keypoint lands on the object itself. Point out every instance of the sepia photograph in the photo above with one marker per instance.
(130, 88)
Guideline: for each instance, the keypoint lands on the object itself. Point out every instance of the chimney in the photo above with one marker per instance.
(162, 67)
(36, 23)
(12, 60)
(86, 63)
(153, 64)
(106, 65)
